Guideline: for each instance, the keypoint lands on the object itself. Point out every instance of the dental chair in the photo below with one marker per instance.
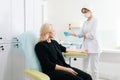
(27, 42)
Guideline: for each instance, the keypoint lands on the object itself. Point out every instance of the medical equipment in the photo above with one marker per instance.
(70, 34)
(80, 35)
(67, 34)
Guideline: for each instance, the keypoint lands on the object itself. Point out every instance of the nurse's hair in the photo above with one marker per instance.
(82, 10)
(46, 28)
(87, 8)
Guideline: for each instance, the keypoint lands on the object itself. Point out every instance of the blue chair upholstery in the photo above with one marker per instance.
(27, 43)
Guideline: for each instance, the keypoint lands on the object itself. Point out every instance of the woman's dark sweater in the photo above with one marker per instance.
(50, 54)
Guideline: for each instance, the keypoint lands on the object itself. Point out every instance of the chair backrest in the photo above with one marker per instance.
(27, 43)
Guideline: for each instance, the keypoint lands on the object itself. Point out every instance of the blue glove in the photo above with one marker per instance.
(67, 34)
(79, 35)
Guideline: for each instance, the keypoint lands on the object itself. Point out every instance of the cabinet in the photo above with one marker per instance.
(11, 25)
(17, 62)
(12, 61)
(16, 17)
(5, 20)
(11, 19)
(4, 58)
(5, 34)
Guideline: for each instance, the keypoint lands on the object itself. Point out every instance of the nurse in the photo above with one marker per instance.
(90, 43)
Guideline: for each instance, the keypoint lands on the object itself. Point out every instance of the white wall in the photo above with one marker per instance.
(108, 15)
(63, 12)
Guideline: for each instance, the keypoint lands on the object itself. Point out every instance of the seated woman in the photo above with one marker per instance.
(49, 52)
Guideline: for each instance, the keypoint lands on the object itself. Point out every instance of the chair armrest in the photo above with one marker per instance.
(74, 54)
(37, 75)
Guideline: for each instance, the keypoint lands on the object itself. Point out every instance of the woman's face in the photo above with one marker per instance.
(87, 13)
(52, 34)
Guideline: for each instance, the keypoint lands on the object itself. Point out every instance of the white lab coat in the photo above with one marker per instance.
(92, 45)
(91, 42)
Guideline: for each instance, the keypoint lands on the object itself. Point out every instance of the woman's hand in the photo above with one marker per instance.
(70, 70)
(84, 51)
(76, 50)
(73, 34)
(84, 36)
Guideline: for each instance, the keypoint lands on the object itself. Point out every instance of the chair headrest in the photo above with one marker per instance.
(28, 41)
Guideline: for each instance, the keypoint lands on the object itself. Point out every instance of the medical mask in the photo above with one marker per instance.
(87, 15)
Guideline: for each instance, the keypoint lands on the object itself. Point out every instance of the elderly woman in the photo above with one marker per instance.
(49, 52)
